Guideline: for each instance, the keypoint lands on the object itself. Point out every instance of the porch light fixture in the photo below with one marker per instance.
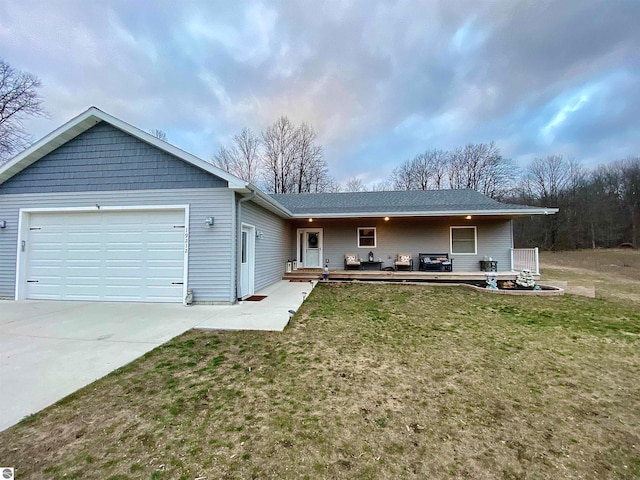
(310, 220)
(259, 234)
(386, 219)
(208, 222)
(3, 224)
(468, 217)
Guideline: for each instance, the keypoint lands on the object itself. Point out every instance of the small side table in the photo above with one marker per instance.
(488, 265)
(371, 265)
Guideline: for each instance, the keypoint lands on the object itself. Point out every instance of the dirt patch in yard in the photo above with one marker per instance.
(369, 381)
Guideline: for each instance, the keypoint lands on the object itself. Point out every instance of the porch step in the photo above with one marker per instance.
(303, 274)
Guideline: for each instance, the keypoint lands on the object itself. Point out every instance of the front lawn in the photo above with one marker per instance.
(370, 381)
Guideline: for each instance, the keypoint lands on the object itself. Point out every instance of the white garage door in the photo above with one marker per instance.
(135, 256)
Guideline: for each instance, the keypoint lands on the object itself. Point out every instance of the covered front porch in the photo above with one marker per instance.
(522, 259)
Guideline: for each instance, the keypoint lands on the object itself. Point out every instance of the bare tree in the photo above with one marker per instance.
(330, 185)
(283, 159)
(293, 161)
(279, 144)
(19, 100)
(383, 186)
(426, 171)
(156, 132)
(402, 176)
(242, 158)
(311, 166)
(554, 181)
(480, 167)
(546, 177)
(631, 196)
(355, 184)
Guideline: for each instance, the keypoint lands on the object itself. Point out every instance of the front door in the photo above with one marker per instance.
(310, 247)
(247, 261)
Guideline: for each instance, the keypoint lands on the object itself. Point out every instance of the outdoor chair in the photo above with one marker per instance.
(351, 261)
(404, 261)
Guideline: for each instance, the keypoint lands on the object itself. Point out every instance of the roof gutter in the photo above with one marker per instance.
(269, 202)
(239, 203)
(443, 213)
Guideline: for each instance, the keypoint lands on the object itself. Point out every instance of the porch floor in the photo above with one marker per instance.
(400, 276)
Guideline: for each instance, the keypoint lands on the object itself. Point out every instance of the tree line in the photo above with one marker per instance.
(599, 207)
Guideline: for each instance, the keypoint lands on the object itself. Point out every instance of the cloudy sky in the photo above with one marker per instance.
(380, 81)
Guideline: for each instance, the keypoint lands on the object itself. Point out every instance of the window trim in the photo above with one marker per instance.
(375, 237)
(475, 239)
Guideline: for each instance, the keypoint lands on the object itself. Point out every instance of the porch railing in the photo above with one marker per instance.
(525, 258)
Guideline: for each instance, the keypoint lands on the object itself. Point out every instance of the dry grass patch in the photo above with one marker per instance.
(372, 382)
(615, 273)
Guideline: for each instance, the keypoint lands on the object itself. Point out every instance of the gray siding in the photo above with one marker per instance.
(272, 251)
(412, 235)
(105, 159)
(211, 264)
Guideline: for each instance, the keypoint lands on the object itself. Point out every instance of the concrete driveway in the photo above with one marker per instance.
(50, 349)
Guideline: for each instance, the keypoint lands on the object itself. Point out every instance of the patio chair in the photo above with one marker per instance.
(404, 261)
(351, 261)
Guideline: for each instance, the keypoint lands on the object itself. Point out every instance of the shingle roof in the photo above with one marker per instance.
(406, 202)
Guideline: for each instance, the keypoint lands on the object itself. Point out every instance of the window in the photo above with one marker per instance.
(366, 237)
(463, 240)
(244, 247)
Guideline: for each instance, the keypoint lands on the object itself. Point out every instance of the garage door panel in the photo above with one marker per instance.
(175, 267)
(123, 257)
(82, 236)
(84, 275)
(82, 256)
(70, 251)
(112, 256)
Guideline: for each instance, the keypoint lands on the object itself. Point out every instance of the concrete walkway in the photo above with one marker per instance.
(49, 349)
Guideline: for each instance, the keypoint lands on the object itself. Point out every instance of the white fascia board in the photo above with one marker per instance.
(444, 213)
(84, 122)
(265, 200)
(48, 143)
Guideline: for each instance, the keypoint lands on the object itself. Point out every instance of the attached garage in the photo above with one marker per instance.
(119, 255)
(99, 210)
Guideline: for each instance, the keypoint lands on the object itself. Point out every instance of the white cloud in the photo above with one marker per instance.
(250, 41)
(379, 81)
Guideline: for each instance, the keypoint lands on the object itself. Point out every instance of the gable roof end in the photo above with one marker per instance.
(84, 122)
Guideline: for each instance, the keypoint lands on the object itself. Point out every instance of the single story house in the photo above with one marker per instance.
(101, 210)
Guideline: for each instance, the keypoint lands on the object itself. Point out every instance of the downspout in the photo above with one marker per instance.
(239, 238)
(512, 244)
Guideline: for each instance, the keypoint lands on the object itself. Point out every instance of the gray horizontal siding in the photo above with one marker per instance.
(414, 236)
(272, 250)
(211, 250)
(106, 159)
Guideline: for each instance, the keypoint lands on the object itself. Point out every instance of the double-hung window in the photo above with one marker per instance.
(366, 237)
(464, 240)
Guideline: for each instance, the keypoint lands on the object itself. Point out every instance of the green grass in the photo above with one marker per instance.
(370, 381)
